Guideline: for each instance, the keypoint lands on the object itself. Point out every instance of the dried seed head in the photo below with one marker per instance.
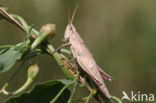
(49, 30)
(33, 71)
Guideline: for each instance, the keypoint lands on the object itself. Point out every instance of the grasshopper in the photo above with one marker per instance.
(85, 59)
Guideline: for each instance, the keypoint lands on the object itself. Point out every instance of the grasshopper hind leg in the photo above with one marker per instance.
(89, 75)
(105, 75)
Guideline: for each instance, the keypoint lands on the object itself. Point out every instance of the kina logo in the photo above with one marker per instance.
(138, 96)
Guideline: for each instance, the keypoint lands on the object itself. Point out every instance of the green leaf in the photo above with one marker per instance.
(43, 93)
(8, 58)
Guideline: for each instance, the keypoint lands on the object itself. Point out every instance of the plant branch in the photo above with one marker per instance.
(46, 46)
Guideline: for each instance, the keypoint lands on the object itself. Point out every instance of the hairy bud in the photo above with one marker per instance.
(48, 30)
(33, 71)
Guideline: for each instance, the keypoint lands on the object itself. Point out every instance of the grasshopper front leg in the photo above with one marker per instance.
(62, 46)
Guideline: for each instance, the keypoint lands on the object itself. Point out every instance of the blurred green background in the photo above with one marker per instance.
(121, 34)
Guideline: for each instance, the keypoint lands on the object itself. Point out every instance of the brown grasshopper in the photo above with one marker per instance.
(85, 59)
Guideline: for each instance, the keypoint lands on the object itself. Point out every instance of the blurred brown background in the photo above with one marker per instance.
(121, 34)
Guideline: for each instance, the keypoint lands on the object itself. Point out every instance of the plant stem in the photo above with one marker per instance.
(74, 89)
(116, 99)
(90, 96)
(26, 84)
(59, 61)
(19, 21)
(58, 95)
(7, 46)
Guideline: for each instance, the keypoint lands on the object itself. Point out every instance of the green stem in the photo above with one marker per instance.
(32, 73)
(58, 95)
(22, 21)
(74, 89)
(73, 92)
(116, 99)
(59, 61)
(37, 41)
(56, 56)
(26, 84)
(3, 90)
(36, 33)
(89, 97)
(7, 46)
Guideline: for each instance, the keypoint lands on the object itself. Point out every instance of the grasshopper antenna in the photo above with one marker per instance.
(68, 16)
(74, 14)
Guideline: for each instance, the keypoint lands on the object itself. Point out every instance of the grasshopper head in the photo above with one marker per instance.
(70, 30)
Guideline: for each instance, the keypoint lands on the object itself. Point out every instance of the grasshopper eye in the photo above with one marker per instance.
(70, 28)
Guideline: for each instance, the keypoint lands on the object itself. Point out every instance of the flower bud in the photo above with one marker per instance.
(49, 30)
(33, 71)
